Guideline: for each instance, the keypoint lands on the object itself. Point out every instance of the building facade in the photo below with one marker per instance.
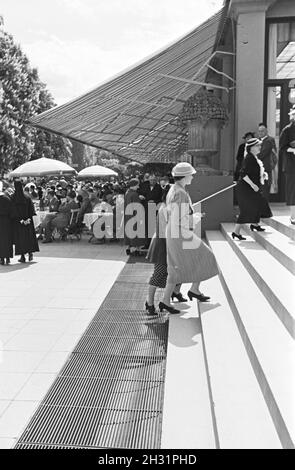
(261, 36)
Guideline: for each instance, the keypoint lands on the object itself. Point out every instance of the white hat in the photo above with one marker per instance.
(183, 169)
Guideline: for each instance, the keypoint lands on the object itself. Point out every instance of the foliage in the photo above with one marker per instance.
(22, 96)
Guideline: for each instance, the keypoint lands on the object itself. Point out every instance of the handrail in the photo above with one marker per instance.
(215, 194)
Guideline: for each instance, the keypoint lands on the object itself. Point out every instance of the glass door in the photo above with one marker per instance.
(277, 107)
(279, 88)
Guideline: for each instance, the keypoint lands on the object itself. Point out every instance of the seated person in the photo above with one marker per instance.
(93, 197)
(85, 207)
(62, 218)
(53, 204)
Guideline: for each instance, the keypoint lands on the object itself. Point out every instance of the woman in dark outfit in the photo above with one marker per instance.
(132, 198)
(6, 245)
(252, 203)
(24, 236)
(241, 154)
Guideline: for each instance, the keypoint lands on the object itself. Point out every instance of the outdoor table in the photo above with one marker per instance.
(90, 218)
(40, 216)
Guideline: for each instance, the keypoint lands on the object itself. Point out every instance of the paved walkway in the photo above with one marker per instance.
(45, 306)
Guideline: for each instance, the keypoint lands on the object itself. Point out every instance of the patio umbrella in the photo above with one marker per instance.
(96, 171)
(42, 167)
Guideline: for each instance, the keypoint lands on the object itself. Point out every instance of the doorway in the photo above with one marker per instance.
(279, 99)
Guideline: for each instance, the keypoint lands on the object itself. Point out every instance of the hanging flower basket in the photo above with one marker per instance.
(203, 106)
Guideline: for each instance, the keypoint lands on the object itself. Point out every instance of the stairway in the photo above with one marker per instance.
(248, 333)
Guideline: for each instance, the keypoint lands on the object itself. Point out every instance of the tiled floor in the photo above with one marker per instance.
(45, 306)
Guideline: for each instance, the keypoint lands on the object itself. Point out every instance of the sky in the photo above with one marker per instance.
(77, 44)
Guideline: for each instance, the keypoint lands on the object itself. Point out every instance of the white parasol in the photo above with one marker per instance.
(96, 171)
(42, 167)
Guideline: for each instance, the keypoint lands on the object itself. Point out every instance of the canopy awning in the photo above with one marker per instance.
(135, 114)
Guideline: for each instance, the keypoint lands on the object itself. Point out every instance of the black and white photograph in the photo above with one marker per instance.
(147, 228)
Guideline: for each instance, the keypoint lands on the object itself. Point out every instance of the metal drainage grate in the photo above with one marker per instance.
(115, 367)
(110, 392)
(128, 316)
(106, 394)
(93, 427)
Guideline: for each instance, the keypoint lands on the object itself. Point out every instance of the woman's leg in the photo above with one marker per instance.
(167, 293)
(195, 288)
(151, 295)
(237, 229)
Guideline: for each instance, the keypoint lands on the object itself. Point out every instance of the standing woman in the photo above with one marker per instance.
(189, 259)
(157, 254)
(134, 234)
(252, 203)
(6, 245)
(24, 236)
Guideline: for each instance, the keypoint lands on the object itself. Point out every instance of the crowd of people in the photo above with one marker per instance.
(58, 197)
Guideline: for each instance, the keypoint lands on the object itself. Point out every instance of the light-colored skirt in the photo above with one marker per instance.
(189, 260)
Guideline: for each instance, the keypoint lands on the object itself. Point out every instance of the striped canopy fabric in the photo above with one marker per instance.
(135, 114)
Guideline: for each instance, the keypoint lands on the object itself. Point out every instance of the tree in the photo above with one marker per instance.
(23, 95)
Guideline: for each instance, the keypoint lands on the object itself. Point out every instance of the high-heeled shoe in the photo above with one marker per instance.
(239, 237)
(7, 261)
(257, 228)
(30, 256)
(200, 297)
(178, 296)
(150, 308)
(169, 309)
(22, 259)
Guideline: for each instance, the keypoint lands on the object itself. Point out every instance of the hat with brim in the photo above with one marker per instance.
(183, 169)
(248, 133)
(252, 142)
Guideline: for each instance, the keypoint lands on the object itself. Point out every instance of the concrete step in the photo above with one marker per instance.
(242, 417)
(277, 244)
(269, 346)
(272, 278)
(187, 412)
(282, 224)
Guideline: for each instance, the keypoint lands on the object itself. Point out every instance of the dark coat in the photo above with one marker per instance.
(132, 197)
(24, 236)
(287, 136)
(268, 145)
(252, 205)
(6, 245)
(239, 159)
(154, 194)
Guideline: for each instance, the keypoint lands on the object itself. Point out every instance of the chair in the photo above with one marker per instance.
(74, 229)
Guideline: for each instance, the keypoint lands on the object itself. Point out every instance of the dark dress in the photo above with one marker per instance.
(239, 159)
(24, 236)
(132, 197)
(6, 245)
(252, 205)
(157, 253)
(287, 136)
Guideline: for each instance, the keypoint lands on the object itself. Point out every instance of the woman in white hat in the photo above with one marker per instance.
(252, 203)
(189, 260)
